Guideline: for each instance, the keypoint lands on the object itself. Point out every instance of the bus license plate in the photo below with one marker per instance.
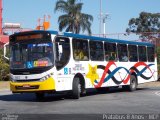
(26, 86)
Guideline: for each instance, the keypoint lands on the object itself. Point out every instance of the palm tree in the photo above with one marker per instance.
(73, 20)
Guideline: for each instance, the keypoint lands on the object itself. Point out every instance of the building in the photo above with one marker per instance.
(3, 40)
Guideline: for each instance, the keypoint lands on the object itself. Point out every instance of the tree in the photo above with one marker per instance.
(4, 67)
(146, 25)
(73, 20)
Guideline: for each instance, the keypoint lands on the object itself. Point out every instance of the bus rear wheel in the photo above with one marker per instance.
(133, 84)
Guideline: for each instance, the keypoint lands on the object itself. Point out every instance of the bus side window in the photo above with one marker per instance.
(96, 51)
(122, 52)
(150, 54)
(142, 53)
(110, 51)
(80, 50)
(133, 56)
(113, 56)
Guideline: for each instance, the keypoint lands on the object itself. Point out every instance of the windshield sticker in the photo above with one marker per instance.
(39, 45)
(32, 64)
(65, 71)
(40, 63)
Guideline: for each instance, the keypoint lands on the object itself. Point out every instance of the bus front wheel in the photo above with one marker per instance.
(76, 90)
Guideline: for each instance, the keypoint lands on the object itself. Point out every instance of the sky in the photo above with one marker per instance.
(27, 12)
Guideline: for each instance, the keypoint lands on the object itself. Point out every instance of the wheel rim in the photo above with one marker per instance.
(133, 83)
(79, 88)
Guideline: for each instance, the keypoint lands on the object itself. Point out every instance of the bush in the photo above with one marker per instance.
(158, 61)
(4, 67)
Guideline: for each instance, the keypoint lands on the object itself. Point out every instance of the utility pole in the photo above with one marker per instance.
(100, 23)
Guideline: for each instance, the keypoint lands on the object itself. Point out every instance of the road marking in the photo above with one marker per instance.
(157, 93)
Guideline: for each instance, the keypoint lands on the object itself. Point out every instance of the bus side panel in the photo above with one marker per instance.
(105, 74)
(147, 73)
(64, 78)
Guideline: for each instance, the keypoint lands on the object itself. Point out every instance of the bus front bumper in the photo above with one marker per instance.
(38, 86)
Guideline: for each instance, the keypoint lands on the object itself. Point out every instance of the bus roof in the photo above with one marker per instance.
(95, 38)
(67, 34)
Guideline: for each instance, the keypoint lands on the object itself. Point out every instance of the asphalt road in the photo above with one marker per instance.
(116, 101)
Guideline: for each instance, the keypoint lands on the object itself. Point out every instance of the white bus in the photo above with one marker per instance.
(46, 61)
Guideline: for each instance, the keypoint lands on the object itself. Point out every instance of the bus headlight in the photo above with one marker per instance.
(12, 78)
(46, 77)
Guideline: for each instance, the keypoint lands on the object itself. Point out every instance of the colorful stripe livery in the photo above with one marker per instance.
(108, 74)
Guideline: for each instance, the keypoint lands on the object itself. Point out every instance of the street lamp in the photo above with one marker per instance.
(104, 18)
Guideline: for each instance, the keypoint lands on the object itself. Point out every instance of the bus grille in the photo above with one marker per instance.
(28, 80)
(26, 88)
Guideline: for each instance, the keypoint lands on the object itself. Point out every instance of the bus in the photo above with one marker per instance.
(48, 61)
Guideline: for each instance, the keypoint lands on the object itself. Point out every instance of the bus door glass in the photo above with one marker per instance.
(62, 45)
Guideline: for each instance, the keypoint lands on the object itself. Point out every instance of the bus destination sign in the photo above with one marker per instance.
(29, 37)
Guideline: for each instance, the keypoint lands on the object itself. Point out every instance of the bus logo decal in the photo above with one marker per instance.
(92, 74)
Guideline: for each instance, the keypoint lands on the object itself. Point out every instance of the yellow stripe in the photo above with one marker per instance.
(45, 85)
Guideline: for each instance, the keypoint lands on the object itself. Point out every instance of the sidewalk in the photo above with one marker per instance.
(150, 84)
(4, 85)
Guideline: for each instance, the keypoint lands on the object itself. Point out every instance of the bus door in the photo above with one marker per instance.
(62, 48)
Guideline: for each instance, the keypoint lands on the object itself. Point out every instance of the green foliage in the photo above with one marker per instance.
(158, 58)
(73, 20)
(4, 68)
(158, 54)
(145, 24)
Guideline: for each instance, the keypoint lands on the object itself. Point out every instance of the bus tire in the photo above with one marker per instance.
(76, 90)
(133, 84)
(39, 96)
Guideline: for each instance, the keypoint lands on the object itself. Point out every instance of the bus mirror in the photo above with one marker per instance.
(5, 51)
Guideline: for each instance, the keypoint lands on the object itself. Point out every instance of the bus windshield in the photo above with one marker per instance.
(29, 56)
